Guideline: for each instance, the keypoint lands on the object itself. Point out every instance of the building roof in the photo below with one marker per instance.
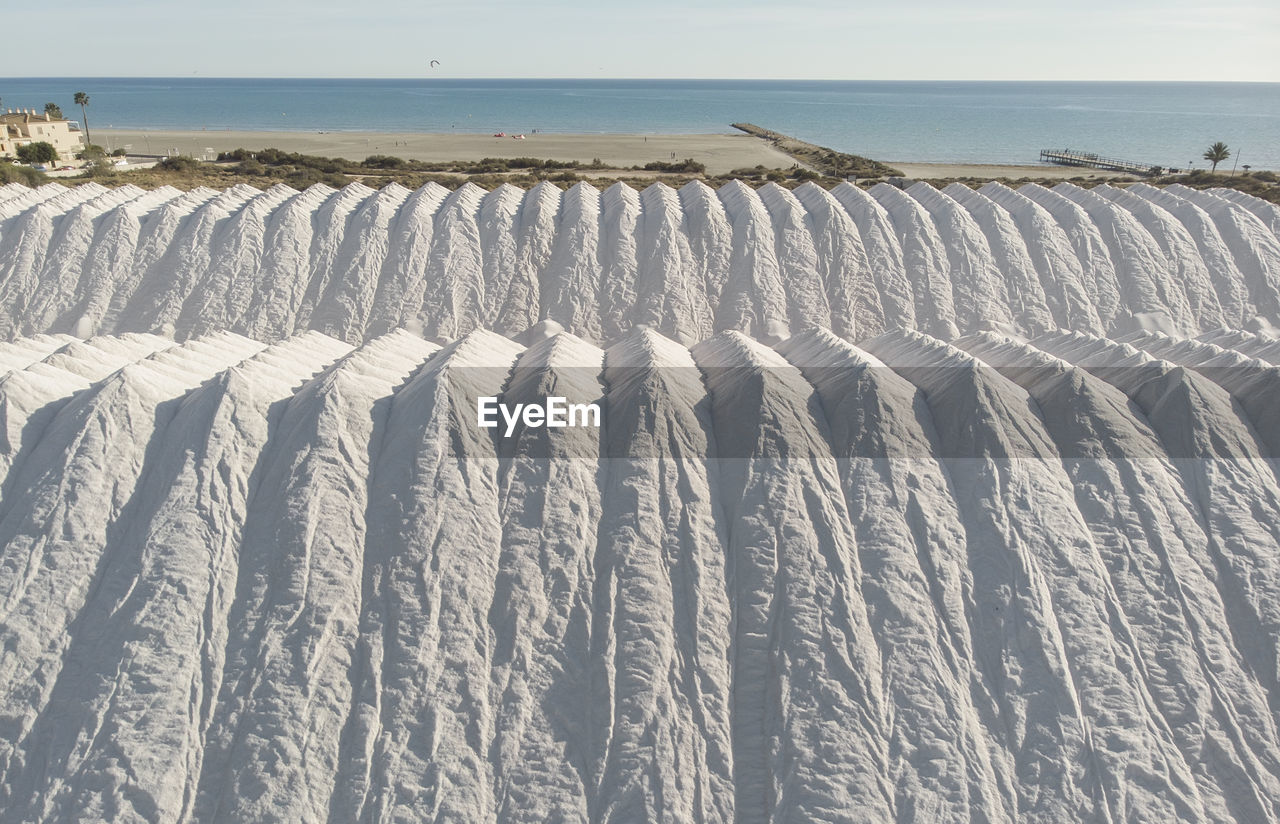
(28, 116)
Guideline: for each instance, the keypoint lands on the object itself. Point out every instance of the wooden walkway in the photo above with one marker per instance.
(1068, 157)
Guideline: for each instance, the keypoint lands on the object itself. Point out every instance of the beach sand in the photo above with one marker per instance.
(720, 152)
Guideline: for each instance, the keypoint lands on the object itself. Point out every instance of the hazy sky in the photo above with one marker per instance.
(835, 39)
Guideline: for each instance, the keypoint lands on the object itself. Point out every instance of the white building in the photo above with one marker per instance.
(24, 126)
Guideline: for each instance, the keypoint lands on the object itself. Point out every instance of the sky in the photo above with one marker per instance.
(1236, 40)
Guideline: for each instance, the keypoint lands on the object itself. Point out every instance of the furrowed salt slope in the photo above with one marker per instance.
(1044, 604)
(925, 581)
(284, 699)
(910, 544)
(356, 263)
(426, 714)
(983, 570)
(57, 523)
(1223, 466)
(1124, 485)
(170, 573)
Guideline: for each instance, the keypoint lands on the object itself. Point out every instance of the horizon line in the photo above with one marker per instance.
(635, 79)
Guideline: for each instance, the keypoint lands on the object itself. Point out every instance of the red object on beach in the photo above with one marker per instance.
(500, 134)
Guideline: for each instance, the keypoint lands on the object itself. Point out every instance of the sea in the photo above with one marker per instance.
(1166, 124)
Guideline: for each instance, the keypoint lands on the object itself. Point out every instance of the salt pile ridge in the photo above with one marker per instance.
(995, 579)
(357, 263)
(864, 531)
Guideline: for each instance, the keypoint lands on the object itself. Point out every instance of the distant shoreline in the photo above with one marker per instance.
(721, 153)
(964, 122)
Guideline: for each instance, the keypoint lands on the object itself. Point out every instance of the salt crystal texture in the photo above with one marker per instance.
(906, 506)
(357, 263)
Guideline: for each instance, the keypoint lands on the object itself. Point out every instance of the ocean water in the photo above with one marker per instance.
(1167, 124)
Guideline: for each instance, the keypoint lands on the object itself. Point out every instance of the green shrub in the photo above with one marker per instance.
(38, 152)
(535, 163)
(753, 173)
(181, 163)
(384, 162)
(447, 181)
(92, 152)
(9, 173)
(304, 177)
(488, 165)
(688, 165)
(101, 172)
(275, 157)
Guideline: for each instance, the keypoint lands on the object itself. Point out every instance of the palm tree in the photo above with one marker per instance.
(1217, 153)
(53, 110)
(82, 100)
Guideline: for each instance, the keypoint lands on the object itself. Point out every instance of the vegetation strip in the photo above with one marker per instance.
(821, 159)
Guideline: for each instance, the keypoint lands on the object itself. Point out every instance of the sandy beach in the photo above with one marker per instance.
(721, 153)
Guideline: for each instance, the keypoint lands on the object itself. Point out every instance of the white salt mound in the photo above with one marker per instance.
(922, 580)
(357, 263)
(905, 506)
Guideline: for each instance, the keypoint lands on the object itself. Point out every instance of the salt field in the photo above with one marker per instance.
(906, 505)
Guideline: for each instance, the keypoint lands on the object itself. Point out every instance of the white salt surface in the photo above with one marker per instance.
(357, 263)
(863, 535)
(926, 581)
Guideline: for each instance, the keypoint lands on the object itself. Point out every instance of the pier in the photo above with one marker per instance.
(1069, 157)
